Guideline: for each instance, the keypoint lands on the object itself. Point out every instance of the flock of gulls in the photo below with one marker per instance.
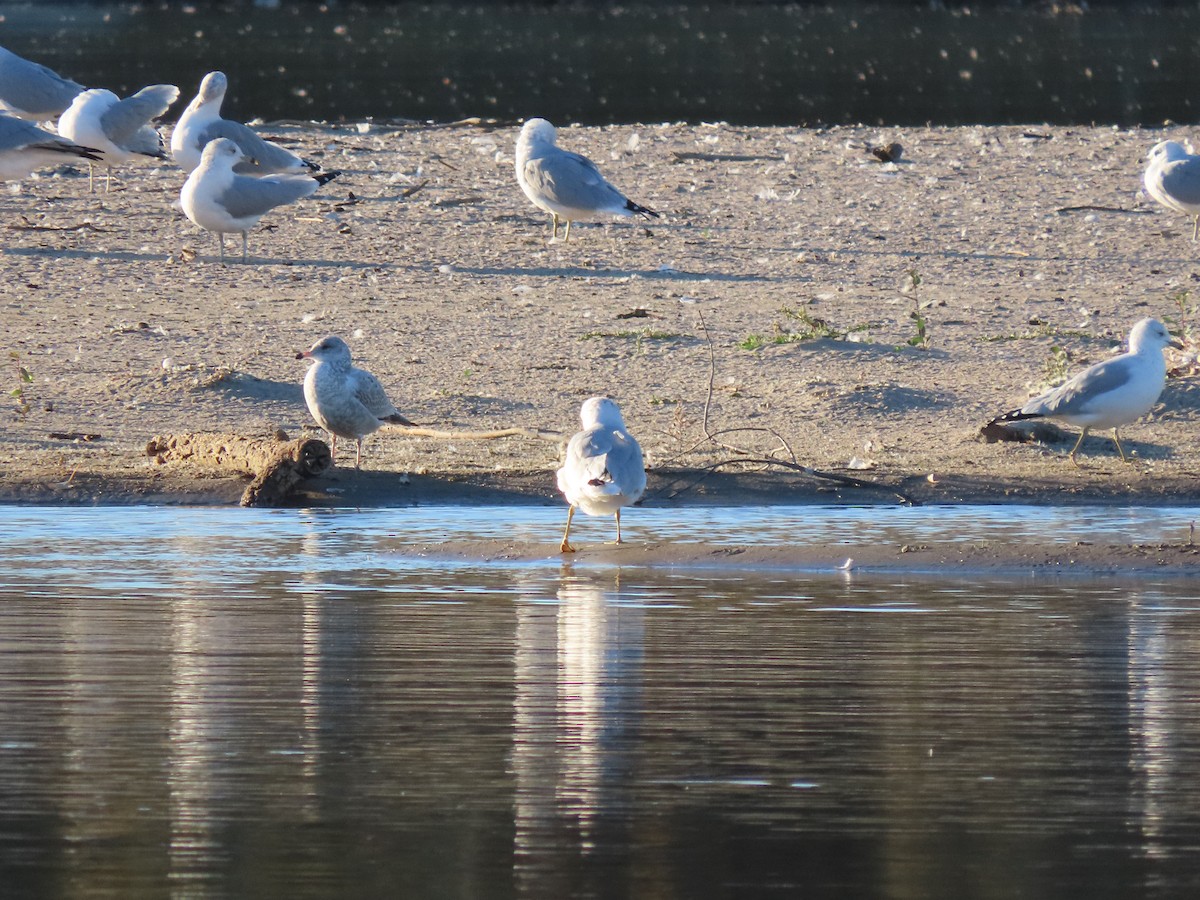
(235, 177)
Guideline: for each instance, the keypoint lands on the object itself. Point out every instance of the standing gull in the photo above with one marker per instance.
(118, 129)
(347, 402)
(201, 122)
(218, 199)
(566, 185)
(25, 147)
(604, 469)
(1111, 393)
(1173, 179)
(30, 91)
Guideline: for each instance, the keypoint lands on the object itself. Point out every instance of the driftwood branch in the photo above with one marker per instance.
(843, 480)
(277, 465)
(541, 433)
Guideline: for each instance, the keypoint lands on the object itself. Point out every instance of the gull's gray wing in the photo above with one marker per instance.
(370, 393)
(249, 196)
(17, 133)
(269, 157)
(573, 181)
(1181, 180)
(1073, 397)
(600, 452)
(32, 87)
(126, 122)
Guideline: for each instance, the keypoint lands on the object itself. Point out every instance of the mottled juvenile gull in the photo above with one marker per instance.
(119, 129)
(25, 147)
(347, 402)
(1111, 393)
(30, 91)
(201, 122)
(218, 199)
(566, 185)
(604, 470)
(1172, 178)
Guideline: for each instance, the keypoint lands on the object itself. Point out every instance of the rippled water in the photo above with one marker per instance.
(209, 703)
(763, 64)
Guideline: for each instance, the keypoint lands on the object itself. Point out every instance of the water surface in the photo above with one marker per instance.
(214, 703)
(898, 64)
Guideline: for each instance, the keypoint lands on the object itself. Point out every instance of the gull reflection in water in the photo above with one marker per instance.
(578, 664)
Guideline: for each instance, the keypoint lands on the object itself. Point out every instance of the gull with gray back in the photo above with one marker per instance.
(1108, 394)
(566, 185)
(218, 199)
(119, 129)
(201, 123)
(604, 470)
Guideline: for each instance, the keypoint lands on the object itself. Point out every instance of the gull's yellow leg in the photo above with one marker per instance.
(567, 236)
(618, 526)
(1071, 455)
(1120, 449)
(553, 226)
(565, 547)
(358, 459)
(1196, 230)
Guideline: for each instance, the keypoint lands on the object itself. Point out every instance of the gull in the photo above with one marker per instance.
(566, 185)
(201, 122)
(1173, 179)
(216, 198)
(30, 91)
(347, 402)
(25, 147)
(1111, 393)
(118, 129)
(603, 470)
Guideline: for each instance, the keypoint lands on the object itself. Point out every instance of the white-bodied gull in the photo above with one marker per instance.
(1172, 178)
(566, 185)
(347, 402)
(201, 122)
(216, 198)
(25, 147)
(30, 91)
(119, 129)
(604, 470)
(1111, 393)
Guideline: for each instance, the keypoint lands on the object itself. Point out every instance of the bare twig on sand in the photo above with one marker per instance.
(540, 433)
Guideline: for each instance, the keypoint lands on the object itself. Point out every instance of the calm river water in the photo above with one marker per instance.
(214, 703)
(760, 64)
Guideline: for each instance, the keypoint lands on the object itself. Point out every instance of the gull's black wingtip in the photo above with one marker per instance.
(325, 177)
(640, 210)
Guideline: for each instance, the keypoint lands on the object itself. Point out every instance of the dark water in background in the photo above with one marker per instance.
(767, 65)
(221, 703)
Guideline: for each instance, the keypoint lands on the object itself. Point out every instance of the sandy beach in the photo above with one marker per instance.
(769, 314)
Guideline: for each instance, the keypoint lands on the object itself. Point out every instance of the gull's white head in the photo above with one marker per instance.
(1150, 335)
(332, 350)
(538, 131)
(222, 153)
(213, 87)
(1169, 151)
(601, 411)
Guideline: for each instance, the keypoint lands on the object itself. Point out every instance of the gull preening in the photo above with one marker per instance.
(1111, 393)
(118, 129)
(218, 199)
(25, 147)
(31, 91)
(604, 470)
(201, 123)
(1172, 178)
(566, 185)
(346, 402)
